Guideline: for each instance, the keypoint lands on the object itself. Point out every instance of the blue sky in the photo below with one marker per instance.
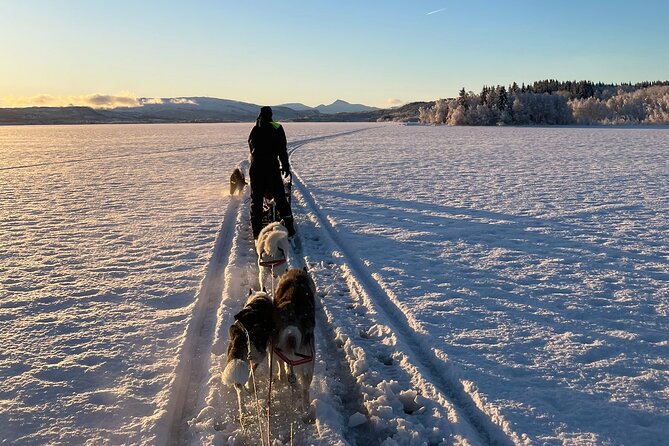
(372, 52)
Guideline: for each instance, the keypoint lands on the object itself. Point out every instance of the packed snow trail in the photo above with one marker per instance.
(536, 258)
(376, 377)
(373, 302)
(192, 359)
(199, 403)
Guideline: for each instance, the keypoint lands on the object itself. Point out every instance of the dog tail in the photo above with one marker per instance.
(236, 372)
(290, 339)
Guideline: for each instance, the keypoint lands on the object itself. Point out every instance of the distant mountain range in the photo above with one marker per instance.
(337, 106)
(184, 109)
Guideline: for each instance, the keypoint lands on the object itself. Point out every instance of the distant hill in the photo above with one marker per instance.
(296, 106)
(60, 115)
(340, 106)
(405, 113)
(163, 110)
(204, 109)
(201, 109)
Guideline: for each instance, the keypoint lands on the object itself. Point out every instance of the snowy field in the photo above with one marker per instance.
(476, 285)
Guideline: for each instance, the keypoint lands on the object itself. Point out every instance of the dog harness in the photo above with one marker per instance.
(304, 359)
(272, 262)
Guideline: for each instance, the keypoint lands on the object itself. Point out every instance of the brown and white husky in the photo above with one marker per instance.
(294, 344)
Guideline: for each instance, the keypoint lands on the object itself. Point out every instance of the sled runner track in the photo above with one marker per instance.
(297, 144)
(346, 389)
(427, 358)
(194, 351)
(125, 155)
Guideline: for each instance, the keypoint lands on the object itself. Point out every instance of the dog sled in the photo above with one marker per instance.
(270, 213)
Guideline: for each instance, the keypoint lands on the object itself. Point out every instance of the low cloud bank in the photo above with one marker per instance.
(94, 100)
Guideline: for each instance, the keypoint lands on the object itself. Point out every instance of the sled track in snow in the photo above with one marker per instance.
(193, 356)
(125, 155)
(199, 335)
(429, 360)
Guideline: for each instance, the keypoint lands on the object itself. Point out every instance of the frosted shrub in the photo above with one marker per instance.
(590, 111)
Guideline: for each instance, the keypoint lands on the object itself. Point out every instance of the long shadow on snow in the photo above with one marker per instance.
(493, 299)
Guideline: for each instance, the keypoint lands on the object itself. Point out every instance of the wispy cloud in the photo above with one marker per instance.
(95, 100)
(392, 102)
(437, 11)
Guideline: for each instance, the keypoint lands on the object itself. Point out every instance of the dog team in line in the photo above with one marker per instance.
(280, 321)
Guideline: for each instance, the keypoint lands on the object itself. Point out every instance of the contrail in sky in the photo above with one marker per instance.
(434, 12)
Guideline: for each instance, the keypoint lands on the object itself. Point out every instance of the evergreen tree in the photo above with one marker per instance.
(484, 95)
(502, 98)
(462, 99)
(491, 98)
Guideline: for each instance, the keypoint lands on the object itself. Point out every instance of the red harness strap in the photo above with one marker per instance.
(294, 362)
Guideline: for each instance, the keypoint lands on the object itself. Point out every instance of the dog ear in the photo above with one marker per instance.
(250, 291)
(246, 318)
(241, 316)
(264, 290)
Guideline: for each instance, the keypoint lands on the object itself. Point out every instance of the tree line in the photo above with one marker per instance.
(553, 102)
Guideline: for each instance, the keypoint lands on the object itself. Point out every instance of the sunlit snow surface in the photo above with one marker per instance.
(536, 258)
(534, 262)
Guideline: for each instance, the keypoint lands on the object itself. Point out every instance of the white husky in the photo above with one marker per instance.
(272, 248)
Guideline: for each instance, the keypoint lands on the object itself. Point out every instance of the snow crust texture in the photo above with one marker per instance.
(475, 285)
(103, 242)
(534, 261)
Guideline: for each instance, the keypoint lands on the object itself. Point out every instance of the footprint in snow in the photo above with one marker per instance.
(385, 359)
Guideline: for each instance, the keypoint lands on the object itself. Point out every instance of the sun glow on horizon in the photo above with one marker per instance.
(94, 100)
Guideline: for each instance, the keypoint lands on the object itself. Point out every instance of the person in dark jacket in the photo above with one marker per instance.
(267, 142)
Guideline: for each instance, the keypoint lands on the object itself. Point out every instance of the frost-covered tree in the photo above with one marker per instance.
(437, 114)
(562, 103)
(642, 106)
(590, 111)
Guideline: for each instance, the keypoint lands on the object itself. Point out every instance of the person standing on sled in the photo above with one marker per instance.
(267, 142)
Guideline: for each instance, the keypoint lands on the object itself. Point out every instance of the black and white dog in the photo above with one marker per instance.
(250, 335)
(294, 345)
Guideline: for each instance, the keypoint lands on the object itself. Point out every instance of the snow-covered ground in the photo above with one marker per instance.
(476, 285)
